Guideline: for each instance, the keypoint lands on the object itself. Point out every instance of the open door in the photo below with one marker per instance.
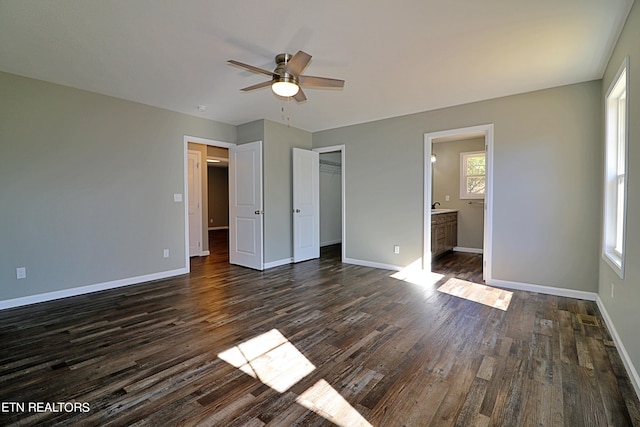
(195, 203)
(245, 205)
(306, 205)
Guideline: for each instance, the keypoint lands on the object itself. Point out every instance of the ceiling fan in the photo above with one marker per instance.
(286, 78)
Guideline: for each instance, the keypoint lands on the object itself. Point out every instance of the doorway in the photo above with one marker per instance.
(332, 200)
(217, 175)
(208, 151)
(473, 212)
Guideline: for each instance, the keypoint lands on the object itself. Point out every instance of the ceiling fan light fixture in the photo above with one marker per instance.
(287, 78)
(284, 88)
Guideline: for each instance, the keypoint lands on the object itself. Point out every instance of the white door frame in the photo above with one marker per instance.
(487, 130)
(186, 140)
(341, 149)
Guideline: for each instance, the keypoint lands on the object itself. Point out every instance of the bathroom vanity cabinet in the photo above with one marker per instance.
(444, 231)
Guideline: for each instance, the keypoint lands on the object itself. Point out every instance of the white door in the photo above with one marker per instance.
(195, 203)
(245, 205)
(306, 205)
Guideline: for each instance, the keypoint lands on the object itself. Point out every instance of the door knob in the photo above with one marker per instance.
(297, 211)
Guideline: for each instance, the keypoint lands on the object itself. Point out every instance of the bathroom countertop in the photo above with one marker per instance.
(441, 211)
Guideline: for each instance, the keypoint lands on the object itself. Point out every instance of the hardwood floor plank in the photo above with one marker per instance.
(355, 346)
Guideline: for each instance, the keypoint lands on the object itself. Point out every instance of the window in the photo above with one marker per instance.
(472, 175)
(615, 179)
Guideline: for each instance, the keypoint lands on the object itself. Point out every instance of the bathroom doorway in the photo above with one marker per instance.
(450, 194)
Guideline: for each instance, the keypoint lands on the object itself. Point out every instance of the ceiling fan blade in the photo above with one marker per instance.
(251, 68)
(257, 86)
(312, 81)
(297, 63)
(300, 96)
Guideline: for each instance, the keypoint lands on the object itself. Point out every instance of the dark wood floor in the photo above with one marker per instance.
(314, 344)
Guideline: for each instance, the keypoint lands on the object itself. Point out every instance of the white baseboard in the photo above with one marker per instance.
(468, 250)
(373, 264)
(549, 290)
(202, 253)
(277, 263)
(65, 293)
(626, 360)
(331, 242)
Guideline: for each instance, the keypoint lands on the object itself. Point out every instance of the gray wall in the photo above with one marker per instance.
(446, 180)
(87, 186)
(250, 132)
(623, 307)
(218, 187)
(547, 181)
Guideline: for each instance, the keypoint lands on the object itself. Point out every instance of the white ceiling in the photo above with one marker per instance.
(397, 57)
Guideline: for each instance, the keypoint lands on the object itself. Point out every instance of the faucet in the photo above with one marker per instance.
(433, 205)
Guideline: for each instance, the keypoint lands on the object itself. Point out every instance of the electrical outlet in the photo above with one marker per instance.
(396, 249)
(447, 197)
(165, 253)
(612, 286)
(21, 273)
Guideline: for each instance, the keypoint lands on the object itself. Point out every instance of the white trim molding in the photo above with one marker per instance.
(81, 290)
(548, 290)
(373, 264)
(468, 250)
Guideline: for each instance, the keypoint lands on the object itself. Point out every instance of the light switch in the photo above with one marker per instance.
(177, 197)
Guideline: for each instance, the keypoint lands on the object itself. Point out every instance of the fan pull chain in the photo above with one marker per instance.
(285, 114)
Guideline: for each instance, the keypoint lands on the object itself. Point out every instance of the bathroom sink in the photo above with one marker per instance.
(438, 211)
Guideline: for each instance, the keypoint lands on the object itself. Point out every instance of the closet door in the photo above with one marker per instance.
(306, 205)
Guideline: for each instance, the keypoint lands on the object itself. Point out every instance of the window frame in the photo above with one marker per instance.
(616, 104)
(464, 195)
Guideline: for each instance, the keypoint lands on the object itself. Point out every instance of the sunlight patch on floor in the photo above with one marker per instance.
(324, 400)
(271, 358)
(413, 273)
(276, 362)
(483, 294)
